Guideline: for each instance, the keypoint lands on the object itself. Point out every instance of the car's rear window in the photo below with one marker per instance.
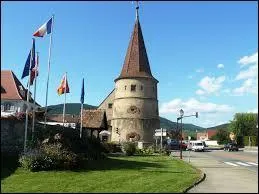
(198, 144)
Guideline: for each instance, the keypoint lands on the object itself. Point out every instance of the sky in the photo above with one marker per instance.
(204, 54)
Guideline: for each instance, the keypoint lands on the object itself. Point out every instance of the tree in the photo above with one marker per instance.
(244, 124)
(222, 136)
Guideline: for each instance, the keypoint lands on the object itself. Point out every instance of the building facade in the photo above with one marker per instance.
(13, 95)
(132, 107)
(206, 135)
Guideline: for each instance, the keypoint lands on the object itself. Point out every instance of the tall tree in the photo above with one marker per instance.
(244, 124)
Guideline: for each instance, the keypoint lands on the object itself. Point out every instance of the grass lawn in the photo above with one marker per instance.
(116, 174)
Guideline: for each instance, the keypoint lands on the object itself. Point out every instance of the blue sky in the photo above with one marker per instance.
(204, 54)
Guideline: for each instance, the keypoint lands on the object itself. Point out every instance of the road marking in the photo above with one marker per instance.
(252, 163)
(244, 164)
(230, 163)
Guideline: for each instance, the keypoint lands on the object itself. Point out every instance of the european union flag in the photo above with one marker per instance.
(82, 93)
(30, 62)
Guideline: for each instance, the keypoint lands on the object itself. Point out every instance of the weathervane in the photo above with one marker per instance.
(137, 7)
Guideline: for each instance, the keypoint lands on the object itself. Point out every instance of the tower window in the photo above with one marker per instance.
(141, 87)
(125, 87)
(133, 88)
(110, 105)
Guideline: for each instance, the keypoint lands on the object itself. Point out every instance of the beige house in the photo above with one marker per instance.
(132, 107)
(13, 95)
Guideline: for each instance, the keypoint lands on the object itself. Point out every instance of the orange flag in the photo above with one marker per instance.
(63, 86)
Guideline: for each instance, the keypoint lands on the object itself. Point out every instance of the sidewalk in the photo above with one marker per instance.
(219, 177)
(250, 149)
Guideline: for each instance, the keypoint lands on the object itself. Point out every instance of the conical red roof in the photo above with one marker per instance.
(136, 62)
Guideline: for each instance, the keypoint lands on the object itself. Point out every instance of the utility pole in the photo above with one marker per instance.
(161, 139)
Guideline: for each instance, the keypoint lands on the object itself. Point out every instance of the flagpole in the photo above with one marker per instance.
(64, 107)
(33, 116)
(50, 43)
(27, 108)
(81, 120)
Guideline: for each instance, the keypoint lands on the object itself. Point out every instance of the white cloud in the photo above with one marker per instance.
(248, 86)
(192, 105)
(210, 84)
(251, 72)
(249, 75)
(246, 60)
(220, 66)
(226, 91)
(255, 110)
(199, 70)
(200, 92)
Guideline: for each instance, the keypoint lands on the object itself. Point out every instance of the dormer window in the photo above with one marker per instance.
(133, 88)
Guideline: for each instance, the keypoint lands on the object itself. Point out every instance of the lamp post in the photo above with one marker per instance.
(181, 117)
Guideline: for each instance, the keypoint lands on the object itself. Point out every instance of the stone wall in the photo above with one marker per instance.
(12, 133)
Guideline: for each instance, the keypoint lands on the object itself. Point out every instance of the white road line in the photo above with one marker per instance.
(244, 164)
(230, 163)
(252, 163)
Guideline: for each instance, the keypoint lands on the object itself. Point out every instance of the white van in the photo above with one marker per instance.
(196, 146)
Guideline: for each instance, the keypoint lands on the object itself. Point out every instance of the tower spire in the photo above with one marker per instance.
(137, 8)
(136, 62)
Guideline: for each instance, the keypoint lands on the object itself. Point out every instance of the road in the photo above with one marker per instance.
(226, 172)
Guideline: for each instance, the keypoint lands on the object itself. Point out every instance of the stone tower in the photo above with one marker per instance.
(135, 105)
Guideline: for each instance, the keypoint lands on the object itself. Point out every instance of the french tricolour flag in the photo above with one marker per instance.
(45, 28)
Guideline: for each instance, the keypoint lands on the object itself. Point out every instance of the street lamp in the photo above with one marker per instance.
(181, 151)
(181, 113)
(181, 117)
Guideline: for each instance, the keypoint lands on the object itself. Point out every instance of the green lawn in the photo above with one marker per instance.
(116, 174)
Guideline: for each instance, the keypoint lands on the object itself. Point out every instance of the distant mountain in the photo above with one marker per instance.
(167, 124)
(223, 126)
(71, 108)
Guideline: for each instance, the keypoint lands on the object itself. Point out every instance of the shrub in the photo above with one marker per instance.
(145, 151)
(111, 147)
(35, 160)
(129, 148)
(253, 140)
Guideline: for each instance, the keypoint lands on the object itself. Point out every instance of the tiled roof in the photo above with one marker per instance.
(136, 62)
(94, 119)
(12, 88)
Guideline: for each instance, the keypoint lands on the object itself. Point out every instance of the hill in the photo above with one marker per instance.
(74, 108)
(167, 124)
(223, 126)
(71, 108)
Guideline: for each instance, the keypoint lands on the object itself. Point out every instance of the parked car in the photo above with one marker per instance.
(184, 146)
(231, 147)
(175, 145)
(196, 145)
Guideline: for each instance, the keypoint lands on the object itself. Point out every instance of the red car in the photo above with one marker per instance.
(183, 145)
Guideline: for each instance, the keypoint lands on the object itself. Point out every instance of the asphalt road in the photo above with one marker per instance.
(226, 172)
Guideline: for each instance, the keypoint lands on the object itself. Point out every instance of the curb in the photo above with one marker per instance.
(196, 183)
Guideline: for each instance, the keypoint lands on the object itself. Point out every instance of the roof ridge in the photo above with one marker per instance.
(12, 75)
